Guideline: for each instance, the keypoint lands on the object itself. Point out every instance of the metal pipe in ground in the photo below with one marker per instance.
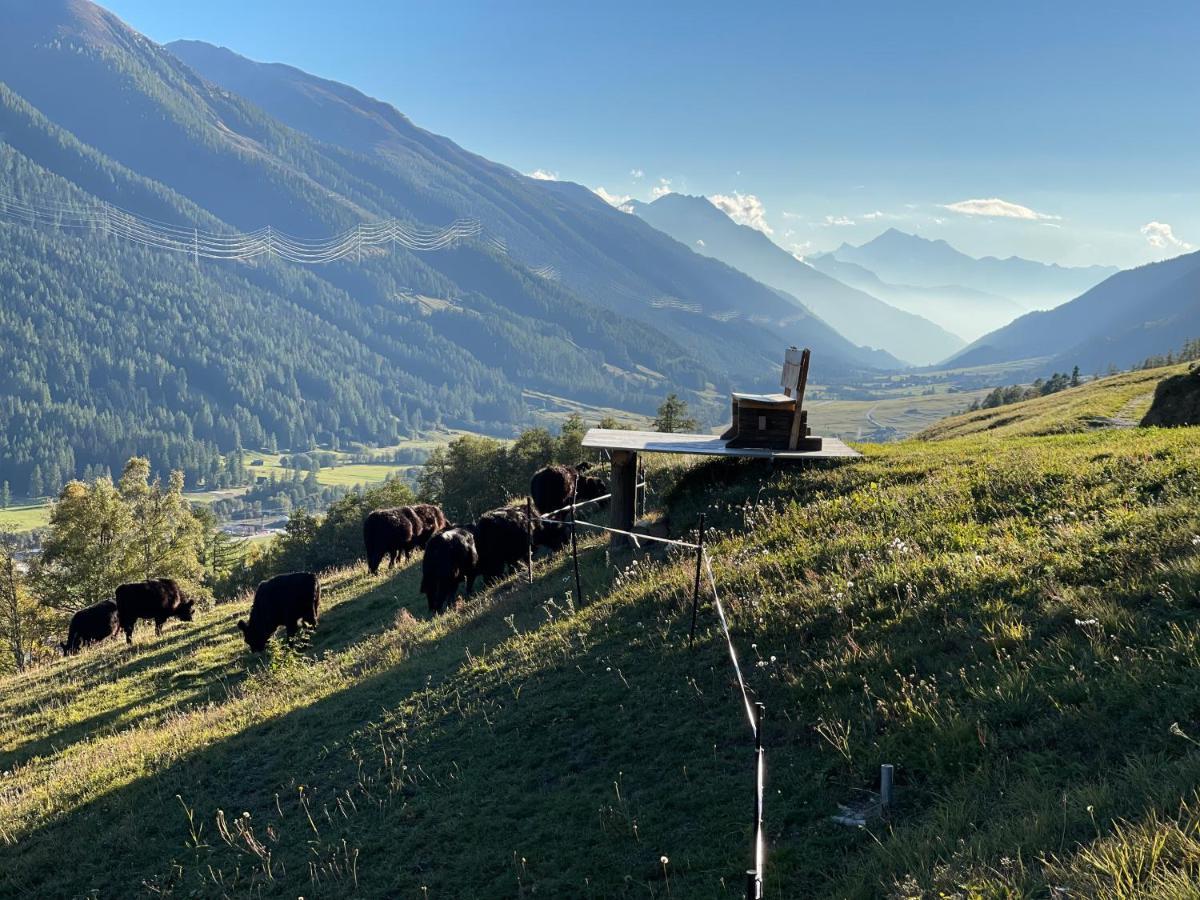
(575, 548)
(696, 585)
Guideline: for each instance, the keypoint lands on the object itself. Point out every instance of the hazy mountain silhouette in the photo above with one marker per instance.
(907, 259)
(961, 310)
(859, 316)
(1134, 314)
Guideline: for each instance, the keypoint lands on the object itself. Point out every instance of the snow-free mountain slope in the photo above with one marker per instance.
(859, 316)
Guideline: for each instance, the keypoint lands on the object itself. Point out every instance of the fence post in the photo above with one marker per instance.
(696, 586)
(529, 543)
(754, 877)
(575, 548)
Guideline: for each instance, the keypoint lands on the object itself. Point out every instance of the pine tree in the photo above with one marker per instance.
(1075, 377)
(673, 416)
(5, 496)
(36, 484)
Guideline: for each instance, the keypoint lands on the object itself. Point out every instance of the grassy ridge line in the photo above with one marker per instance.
(1013, 623)
(1125, 396)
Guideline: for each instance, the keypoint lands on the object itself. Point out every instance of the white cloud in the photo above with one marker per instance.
(661, 189)
(637, 173)
(700, 242)
(745, 209)
(996, 208)
(878, 214)
(792, 215)
(838, 220)
(799, 249)
(543, 175)
(612, 199)
(1162, 236)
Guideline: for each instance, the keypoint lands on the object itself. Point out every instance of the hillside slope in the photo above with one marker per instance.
(964, 311)
(1011, 623)
(608, 257)
(1134, 314)
(696, 222)
(93, 113)
(1118, 401)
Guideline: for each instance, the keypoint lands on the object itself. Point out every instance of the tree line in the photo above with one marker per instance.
(105, 532)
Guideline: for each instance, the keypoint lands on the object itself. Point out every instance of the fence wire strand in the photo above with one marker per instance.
(760, 772)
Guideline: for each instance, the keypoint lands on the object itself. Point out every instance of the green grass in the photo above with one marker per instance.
(1012, 623)
(1118, 400)
(26, 516)
(897, 417)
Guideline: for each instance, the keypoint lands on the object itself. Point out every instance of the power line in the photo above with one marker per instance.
(238, 246)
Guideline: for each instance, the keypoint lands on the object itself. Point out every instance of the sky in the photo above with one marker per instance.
(1065, 132)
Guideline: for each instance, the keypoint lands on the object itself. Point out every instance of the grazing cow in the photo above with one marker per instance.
(450, 560)
(432, 518)
(96, 623)
(387, 533)
(158, 599)
(502, 540)
(285, 600)
(553, 486)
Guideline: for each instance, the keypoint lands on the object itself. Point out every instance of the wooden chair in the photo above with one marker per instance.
(775, 421)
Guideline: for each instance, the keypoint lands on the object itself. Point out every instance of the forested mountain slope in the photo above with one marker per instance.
(606, 255)
(364, 349)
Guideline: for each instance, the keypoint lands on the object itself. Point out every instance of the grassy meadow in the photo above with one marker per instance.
(1115, 401)
(25, 516)
(1013, 622)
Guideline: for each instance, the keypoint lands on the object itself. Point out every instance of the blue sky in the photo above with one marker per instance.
(822, 122)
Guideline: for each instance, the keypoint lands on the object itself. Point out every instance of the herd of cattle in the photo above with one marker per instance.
(454, 556)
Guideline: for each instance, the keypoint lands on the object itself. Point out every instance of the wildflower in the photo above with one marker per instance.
(1196, 540)
(663, 860)
(1087, 622)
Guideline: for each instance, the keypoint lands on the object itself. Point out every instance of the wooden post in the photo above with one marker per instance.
(696, 586)
(624, 493)
(798, 419)
(575, 547)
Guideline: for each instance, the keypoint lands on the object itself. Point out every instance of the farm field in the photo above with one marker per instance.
(888, 419)
(21, 517)
(1010, 621)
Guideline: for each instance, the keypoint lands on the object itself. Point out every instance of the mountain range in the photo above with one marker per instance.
(863, 318)
(1127, 318)
(121, 348)
(908, 259)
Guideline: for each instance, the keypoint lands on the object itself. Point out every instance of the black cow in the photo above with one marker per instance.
(96, 623)
(450, 560)
(158, 599)
(502, 540)
(433, 519)
(553, 487)
(285, 600)
(388, 533)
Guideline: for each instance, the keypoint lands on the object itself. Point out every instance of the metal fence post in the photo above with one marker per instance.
(754, 877)
(529, 542)
(696, 586)
(575, 548)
